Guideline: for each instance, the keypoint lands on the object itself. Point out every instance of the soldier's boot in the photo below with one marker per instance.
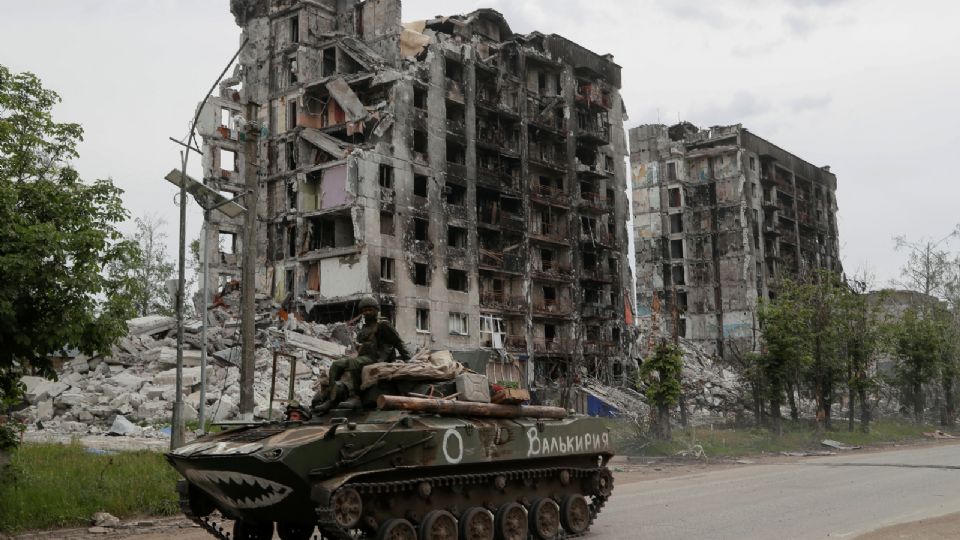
(323, 401)
(354, 402)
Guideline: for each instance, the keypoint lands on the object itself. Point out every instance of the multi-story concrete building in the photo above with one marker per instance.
(470, 178)
(720, 216)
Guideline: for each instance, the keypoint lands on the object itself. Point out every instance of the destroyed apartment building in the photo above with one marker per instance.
(720, 216)
(472, 179)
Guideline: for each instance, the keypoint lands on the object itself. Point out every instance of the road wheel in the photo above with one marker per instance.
(511, 522)
(295, 531)
(603, 483)
(476, 524)
(438, 525)
(575, 514)
(252, 530)
(544, 518)
(397, 529)
(347, 507)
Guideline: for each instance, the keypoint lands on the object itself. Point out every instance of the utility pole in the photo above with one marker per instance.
(248, 286)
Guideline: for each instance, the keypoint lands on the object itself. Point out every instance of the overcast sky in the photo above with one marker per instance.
(867, 87)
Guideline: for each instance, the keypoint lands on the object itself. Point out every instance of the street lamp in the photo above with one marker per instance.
(209, 200)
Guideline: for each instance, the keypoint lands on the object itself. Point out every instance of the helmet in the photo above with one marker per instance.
(369, 301)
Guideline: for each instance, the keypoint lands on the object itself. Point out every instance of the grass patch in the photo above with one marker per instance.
(733, 443)
(50, 485)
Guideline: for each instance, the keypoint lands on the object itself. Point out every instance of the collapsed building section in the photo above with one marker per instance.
(720, 217)
(471, 178)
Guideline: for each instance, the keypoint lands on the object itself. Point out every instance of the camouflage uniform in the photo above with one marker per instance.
(377, 342)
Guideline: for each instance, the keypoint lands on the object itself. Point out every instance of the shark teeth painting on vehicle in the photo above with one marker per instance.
(239, 490)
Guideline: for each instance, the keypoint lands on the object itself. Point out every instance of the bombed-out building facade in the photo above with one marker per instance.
(720, 216)
(470, 178)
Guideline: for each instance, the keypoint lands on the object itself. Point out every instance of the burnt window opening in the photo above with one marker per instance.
(292, 70)
(753, 164)
(549, 332)
(292, 241)
(387, 267)
(290, 149)
(589, 261)
(673, 196)
(329, 65)
(682, 301)
(457, 280)
(421, 229)
(678, 275)
(419, 97)
(421, 274)
(550, 294)
(456, 194)
(593, 333)
(423, 320)
(541, 82)
(671, 171)
(455, 112)
(456, 237)
(227, 242)
(682, 327)
(676, 223)
(547, 259)
(291, 114)
(453, 69)
(389, 313)
(456, 153)
(420, 145)
(420, 185)
(611, 195)
(386, 176)
(591, 296)
(291, 196)
(608, 162)
(330, 232)
(386, 223)
(676, 249)
(295, 29)
(228, 160)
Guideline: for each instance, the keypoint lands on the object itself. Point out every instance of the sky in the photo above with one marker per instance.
(867, 87)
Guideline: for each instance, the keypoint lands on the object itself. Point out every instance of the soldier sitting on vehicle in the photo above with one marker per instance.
(378, 341)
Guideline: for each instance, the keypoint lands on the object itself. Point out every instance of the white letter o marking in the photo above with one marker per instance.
(446, 452)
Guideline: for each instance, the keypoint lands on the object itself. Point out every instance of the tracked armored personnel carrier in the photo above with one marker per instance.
(412, 469)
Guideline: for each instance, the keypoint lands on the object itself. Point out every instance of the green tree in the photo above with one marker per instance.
(787, 338)
(57, 234)
(860, 322)
(659, 376)
(918, 346)
(149, 269)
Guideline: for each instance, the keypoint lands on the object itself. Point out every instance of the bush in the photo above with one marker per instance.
(49, 485)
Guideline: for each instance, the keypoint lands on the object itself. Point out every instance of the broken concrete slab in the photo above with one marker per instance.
(191, 376)
(312, 344)
(121, 426)
(150, 325)
(347, 99)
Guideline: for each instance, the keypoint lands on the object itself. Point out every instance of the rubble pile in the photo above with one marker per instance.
(131, 390)
(709, 389)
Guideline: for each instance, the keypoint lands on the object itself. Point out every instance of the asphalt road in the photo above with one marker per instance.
(840, 496)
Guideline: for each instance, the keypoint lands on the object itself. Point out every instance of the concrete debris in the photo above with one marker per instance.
(105, 519)
(131, 390)
(838, 445)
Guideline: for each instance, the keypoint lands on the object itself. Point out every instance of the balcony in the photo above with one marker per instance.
(596, 273)
(597, 311)
(594, 202)
(600, 347)
(593, 128)
(502, 102)
(493, 259)
(549, 195)
(592, 96)
(552, 307)
(553, 271)
(550, 232)
(552, 345)
(547, 113)
(502, 301)
(786, 210)
(515, 343)
(599, 237)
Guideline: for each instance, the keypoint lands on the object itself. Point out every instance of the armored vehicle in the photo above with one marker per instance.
(412, 469)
